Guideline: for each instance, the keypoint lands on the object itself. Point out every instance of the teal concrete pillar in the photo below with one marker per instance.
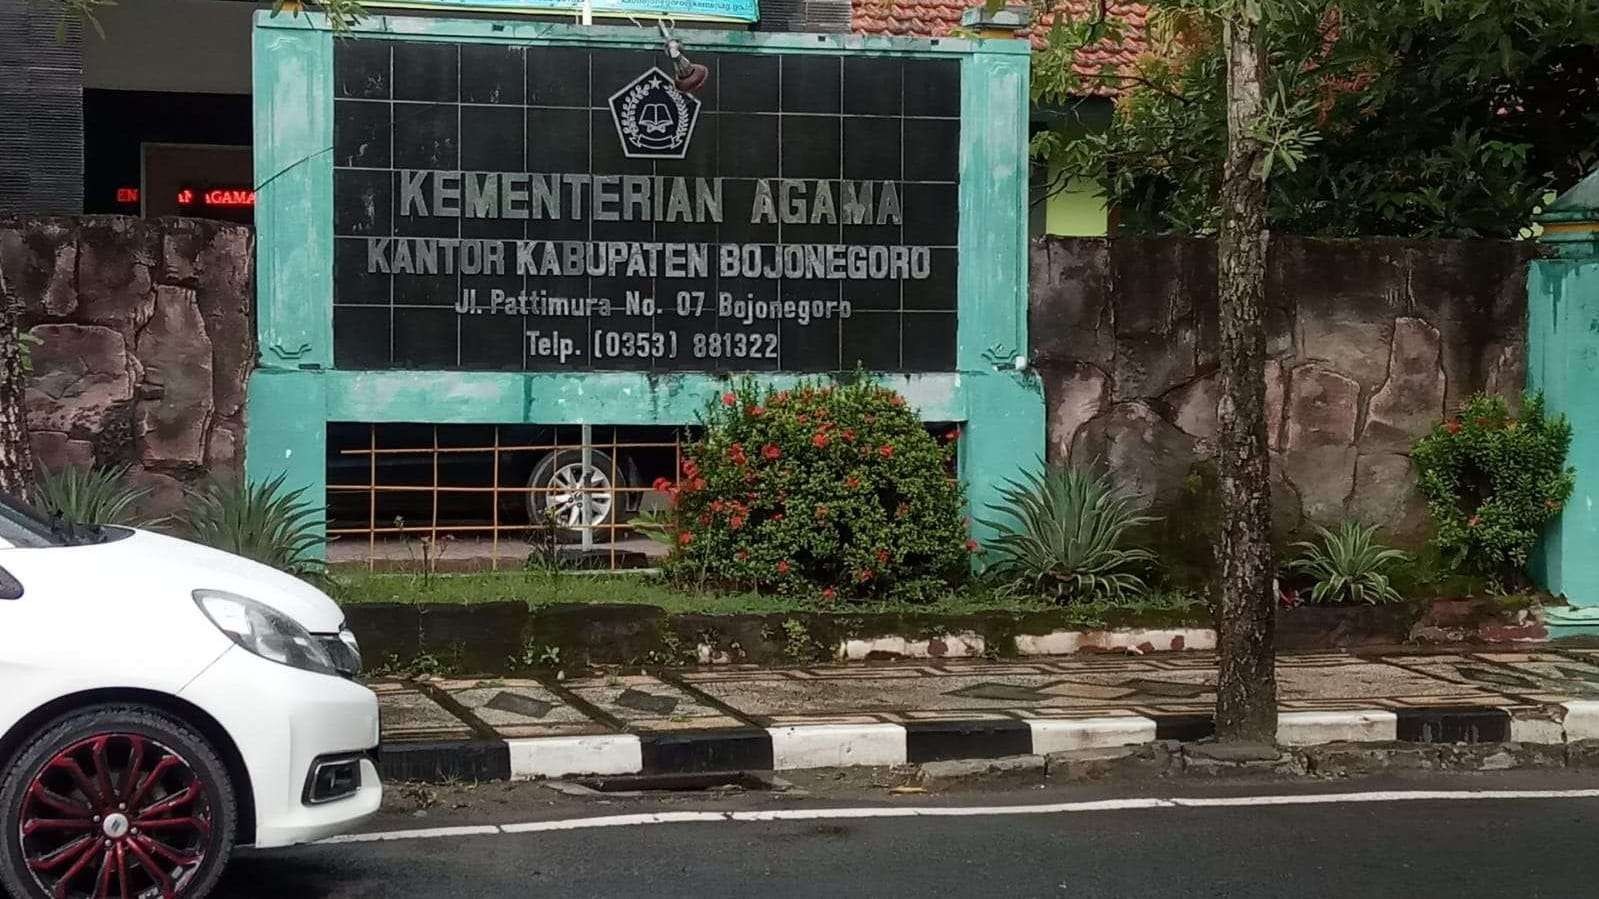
(1563, 362)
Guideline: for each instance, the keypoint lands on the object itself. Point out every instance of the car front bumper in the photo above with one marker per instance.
(282, 720)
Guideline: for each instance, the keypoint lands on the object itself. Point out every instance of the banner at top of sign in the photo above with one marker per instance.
(706, 10)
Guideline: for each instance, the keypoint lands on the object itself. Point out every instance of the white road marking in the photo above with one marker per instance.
(1058, 808)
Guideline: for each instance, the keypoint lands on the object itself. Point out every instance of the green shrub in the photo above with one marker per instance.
(1348, 566)
(829, 490)
(1492, 481)
(259, 521)
(1065, 540)
(93, 496)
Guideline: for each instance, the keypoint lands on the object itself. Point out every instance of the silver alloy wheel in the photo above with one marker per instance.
(579, 496)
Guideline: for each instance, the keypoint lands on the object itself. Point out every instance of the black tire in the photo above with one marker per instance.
(615, 474)
(208, 774)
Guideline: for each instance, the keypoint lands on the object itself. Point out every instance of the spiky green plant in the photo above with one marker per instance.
(1349, 565)
(259, 521)
(1065, 537)
(93, 496)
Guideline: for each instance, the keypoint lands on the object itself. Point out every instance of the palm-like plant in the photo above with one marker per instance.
(93, 496)
(259, 521)
(1349, 565)
(1065, 537)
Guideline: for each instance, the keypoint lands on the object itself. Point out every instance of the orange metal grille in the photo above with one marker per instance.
(498, 524)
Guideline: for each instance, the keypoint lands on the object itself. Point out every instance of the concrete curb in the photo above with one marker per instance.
(849, 745)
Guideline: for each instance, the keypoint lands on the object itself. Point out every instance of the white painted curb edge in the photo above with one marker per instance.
(566, 756)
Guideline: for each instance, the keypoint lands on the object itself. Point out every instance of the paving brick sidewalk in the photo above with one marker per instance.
(735, 717)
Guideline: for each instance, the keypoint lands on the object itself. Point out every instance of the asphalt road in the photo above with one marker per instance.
(1521, 848)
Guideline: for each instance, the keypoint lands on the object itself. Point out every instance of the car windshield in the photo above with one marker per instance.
(22, 525)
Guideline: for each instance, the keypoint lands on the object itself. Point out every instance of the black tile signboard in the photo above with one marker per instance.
(566, 208)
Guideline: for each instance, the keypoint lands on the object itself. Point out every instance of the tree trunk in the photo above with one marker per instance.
(1246, 694)
(16, 452)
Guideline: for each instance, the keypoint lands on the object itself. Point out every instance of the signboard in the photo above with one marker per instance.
(566, 208)
(686, 10)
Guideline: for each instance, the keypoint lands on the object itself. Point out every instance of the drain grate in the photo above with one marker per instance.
(726, 781)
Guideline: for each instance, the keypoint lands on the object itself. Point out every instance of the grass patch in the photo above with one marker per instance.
(544, 589)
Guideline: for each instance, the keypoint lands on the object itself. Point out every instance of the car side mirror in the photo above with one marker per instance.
(10, 587)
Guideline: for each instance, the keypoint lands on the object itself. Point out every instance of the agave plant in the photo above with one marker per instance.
(259, 521)
(1349, 565)
(1065, 537)
(93, 496)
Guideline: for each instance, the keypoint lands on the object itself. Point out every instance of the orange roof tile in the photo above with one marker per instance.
(936, 18)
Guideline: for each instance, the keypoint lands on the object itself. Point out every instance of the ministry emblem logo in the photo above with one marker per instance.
(654, 120)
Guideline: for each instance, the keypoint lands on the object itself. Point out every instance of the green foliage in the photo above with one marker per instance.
(1065, 540)
(93, 496)
(1348, 566)
(342, 14)
(1441, 118)
(1492, 481)
(825, 490)
(259, 521)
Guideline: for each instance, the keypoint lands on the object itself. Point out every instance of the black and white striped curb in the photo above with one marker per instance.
(849, 745)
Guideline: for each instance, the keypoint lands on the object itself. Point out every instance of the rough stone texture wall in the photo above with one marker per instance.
(146, 336)
(1370, 342)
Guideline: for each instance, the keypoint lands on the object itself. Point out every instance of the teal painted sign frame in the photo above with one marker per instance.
(687, 10)
(294, 392)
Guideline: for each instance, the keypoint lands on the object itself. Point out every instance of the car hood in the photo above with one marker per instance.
(174, 562)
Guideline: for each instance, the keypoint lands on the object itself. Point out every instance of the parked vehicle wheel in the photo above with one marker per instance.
(116, 800)
(559, 494)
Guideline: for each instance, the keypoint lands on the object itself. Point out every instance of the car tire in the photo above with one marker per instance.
(112, 760)
(563, 468)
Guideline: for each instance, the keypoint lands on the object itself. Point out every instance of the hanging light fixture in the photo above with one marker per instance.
(687, 76)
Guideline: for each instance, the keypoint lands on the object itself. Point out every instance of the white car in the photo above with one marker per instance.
(160, 703)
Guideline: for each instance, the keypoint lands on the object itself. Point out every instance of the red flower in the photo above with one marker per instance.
(819, 440)
(757, 411)
(780, 398)
(882, 557)
(690, 469)
(782, 567)
(864, 575)
(771, 453)
(662, 485)
(736, 522)
(852, 482)
(849, 435)
(903, 510)
(685, 538)
(729, 399)
(698, 483)
(735, 453)
(1473, 521)
(952, 435)
(705, 518)
(802, 418)
(897, 400)
(828, 593)
(886, 451)
(971, 546)
(1452, 426)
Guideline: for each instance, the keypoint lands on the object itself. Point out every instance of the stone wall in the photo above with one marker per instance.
(1370, 342)
(145, 331)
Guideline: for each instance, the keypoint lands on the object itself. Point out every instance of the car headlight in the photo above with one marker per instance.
(264, 630)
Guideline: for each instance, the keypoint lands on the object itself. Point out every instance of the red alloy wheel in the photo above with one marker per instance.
(115, 814)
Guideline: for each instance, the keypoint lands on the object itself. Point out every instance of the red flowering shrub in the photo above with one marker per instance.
(833, 491)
